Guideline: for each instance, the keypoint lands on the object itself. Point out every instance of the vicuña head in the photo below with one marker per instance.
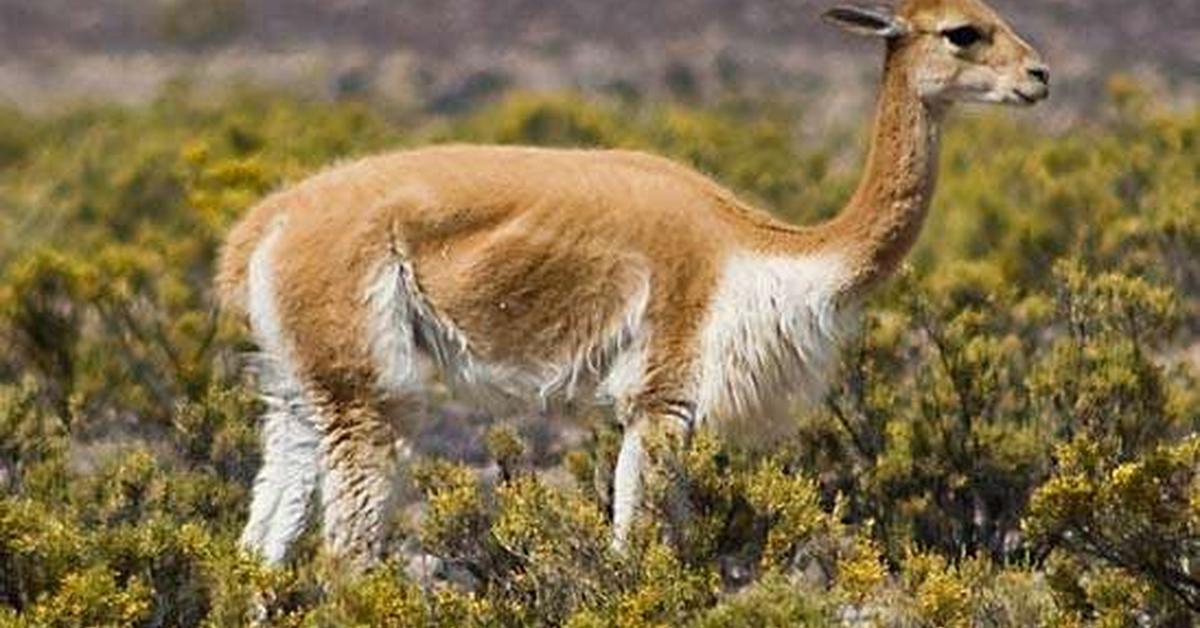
(953, 50)
(537, 275)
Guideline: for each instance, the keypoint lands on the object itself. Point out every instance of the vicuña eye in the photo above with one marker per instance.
(963, 36)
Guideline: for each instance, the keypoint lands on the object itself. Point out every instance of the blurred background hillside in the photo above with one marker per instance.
(447, 55)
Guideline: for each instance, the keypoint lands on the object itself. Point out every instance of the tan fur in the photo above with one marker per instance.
(533, 256)
(510, 252)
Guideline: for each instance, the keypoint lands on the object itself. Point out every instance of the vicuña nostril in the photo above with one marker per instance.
(1042, 75)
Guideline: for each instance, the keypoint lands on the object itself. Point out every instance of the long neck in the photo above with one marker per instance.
(882, 220)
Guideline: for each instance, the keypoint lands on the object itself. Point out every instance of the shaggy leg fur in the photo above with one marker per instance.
(286, 481)
(359, 458)
(290, 470)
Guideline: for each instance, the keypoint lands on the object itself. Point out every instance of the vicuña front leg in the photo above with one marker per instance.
(673, 419)
(359, 458)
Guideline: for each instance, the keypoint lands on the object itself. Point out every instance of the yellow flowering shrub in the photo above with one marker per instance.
(1011, 442)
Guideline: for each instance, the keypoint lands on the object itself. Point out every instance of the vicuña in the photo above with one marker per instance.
(604, 276)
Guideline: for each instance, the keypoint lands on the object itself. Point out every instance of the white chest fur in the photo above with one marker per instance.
(774, 330)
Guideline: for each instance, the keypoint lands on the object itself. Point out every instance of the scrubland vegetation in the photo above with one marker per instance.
(1013, 441)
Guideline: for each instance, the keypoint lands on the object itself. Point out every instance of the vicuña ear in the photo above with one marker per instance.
(873, 21)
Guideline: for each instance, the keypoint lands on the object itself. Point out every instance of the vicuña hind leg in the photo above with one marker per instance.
(285, 484)
(359, 460)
